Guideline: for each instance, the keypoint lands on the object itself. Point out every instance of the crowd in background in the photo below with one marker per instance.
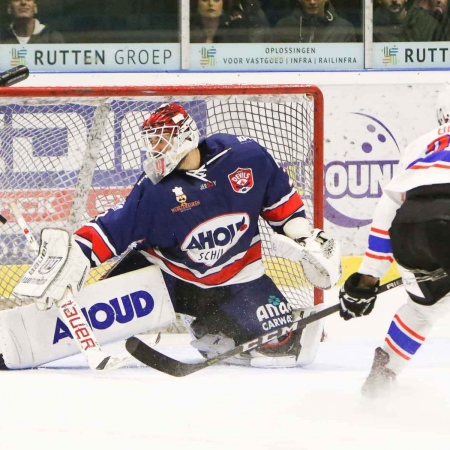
(220, 21)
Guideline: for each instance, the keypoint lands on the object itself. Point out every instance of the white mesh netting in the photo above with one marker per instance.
(64, 160)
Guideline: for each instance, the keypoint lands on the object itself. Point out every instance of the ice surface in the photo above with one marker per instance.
(66, 406)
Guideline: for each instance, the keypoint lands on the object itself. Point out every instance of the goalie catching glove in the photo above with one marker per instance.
(60, 265)
(319, 255)
(357, 301)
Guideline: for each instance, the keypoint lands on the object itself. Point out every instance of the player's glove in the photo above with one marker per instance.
(60, 264)
(319, 256)
(356, 301)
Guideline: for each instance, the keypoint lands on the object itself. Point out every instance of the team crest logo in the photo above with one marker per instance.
(241, 180)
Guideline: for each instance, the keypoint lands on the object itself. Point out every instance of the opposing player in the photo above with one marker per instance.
(411, 224)
(194, 214)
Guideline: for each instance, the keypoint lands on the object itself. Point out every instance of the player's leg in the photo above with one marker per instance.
(422, 246)
(228, 316)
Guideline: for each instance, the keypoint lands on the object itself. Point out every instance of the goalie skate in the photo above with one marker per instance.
(283, 353)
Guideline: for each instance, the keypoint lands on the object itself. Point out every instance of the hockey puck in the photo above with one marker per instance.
(2, 219)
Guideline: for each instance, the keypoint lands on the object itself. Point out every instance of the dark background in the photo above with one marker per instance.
(105, 21)
(146, 21)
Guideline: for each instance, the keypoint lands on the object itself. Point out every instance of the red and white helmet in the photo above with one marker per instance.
(171, 125)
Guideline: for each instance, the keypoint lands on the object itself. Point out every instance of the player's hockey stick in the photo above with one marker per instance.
(166, 364)
(73, 317)
(14, 75)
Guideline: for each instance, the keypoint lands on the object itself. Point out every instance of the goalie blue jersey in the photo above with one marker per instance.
(201, 225)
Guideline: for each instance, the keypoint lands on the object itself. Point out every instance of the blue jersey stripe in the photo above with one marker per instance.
(379, 244)
(433, 157)
(403, 340)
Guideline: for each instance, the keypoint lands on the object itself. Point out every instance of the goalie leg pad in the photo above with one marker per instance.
(15, 345)
(116, 309)
(311, 335)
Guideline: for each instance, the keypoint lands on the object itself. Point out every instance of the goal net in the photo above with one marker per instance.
(68, 154)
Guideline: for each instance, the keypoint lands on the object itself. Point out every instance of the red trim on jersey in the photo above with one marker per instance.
(99, 247)
(412, 332)
(377, 230)
(253, 254)
(418, 166)
(380, 257)
(396, 350)
(285, 210)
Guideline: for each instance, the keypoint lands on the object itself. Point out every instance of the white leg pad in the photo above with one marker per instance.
(116, 308)
(311, 336)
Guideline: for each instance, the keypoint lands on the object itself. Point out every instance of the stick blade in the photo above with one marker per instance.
(156, 360)
(113, 362)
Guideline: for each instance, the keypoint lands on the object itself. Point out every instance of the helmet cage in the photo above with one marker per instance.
(180, 139)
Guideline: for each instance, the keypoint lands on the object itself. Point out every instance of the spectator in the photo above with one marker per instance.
(392, 22)
(439, 10)
(436, 8)
(276, 10)
(228, 21)
(314, 21)
(353, 11)
(25, 28)
(424, 4)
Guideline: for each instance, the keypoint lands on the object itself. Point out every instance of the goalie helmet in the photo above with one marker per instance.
(443, 106)
(169, 134)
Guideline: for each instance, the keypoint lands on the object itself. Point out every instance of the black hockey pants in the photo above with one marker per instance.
(420, 238)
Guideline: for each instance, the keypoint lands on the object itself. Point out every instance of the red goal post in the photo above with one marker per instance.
(68, 153)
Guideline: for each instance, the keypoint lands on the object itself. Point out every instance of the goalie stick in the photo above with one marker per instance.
(34, 246)
(166, 364)
(73, 317)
